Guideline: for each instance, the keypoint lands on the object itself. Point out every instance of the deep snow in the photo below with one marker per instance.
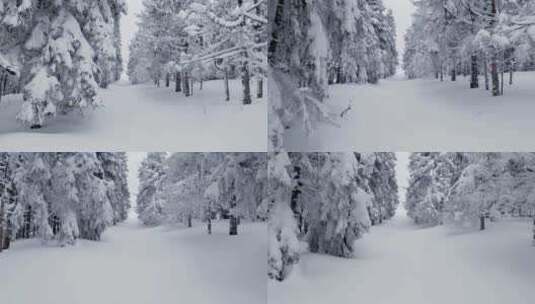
(134, 264)
(146, 118)
(409, 115)
(401, 263)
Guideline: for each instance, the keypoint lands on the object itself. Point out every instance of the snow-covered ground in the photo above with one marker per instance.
(146, 118)
(133, 264)
(415, 115)
(400, 263)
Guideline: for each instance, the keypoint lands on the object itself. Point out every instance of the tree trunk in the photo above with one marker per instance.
(233, 228)
(511, 76)
(246, 83)
(486, 73)
(167, 80)
(482, 222)
(474, 80)
(533, 230)
(494, 56)
(370, 215)
(495, 76)
(189, 221)
(210, 224)
(501, 84)
(2, 215)
(260, 88)
(3, 82)
(453, 74)
(185, 86)
(227, 90)
(7, 236)
(201, 83)
(178, 82)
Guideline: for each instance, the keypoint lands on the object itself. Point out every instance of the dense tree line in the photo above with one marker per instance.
(467, 189)
(325, 202)
(61, 197)
(472, 38)
(316, 43)
(65, 50)
(187, 187)
(196, 40)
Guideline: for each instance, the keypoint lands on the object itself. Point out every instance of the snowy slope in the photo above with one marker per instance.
(399, 263)
(147, 118)
(134, 265)
(403, 115)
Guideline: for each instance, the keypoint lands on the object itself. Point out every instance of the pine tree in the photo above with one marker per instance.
(283, 252)
(151, 174)
(314, 44)
(65, 49)
(114, 166)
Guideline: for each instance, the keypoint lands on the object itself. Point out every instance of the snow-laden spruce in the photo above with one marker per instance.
(471, 37)
(61, 197)
(317, 43)
(150, 174)
(195, 40)
(284, 246)
(324, 202)
(65, 51)
(187, 187)
(468, 189)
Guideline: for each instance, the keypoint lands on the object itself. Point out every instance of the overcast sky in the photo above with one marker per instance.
(129, 26)
(402, 10)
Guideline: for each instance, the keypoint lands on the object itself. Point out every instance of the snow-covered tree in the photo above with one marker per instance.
(60, 196)
(243, 197)
(483, 188)
(151, 175)
(317, 43)
(432, 176)
(343, 216)
(66, 50)
(200, 186)
(195, 40)
(378, 171)
(466, 189)
(474, 37)
(325, 200)
(114, 166)
(284, 246)
(7, 199)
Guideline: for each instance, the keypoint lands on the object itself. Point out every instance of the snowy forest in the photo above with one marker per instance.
(470, 189)
(84, 70)
(314, 44)
(363, 223)
(192, 41)
(61, 197)
(324, 202)
(187, 187)
(140, 227)
(472, 38)
(370, 75)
